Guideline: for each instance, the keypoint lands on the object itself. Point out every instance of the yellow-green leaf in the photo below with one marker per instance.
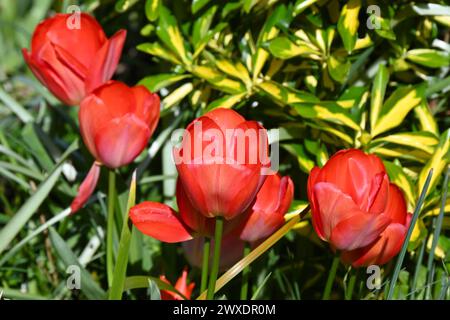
(348, 24)
(268, 32)
(234, 69)
(197, 5)
(439, 161)
(421, 140)
(398, 177)
(202, 25)
(377, 95)
(397, 107)
(430, 58)
(218, 79)
(152, 9)
(227, 102)
(298, 150)
(435, 211)
(338, 69)
(402, 153)
(426, 119)
(169, 33)
(326, 111)
(283, 48)
(177, 95)
(284, 94)
(155, 49)
(156, 82)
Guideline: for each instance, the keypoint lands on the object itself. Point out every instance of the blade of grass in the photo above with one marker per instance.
(331, 277)
(110, 225)
(401, 256)
(120, 269)
(25, 212)
(258, 291)
(88, 286)
(417, 269)
(36, 232)
(15, 107)
(437, 232)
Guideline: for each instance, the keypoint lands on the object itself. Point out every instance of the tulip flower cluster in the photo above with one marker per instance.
(252, 203)
(224, 178)
(76, 64)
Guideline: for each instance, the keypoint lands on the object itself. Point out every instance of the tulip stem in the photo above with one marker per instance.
(245, 274)
(205, 264)
(216, 258)
(331, 277)
(110, 226)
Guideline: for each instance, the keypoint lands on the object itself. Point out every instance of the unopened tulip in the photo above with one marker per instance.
(116, 122)
(267, 213)
(390, 241)
(181, 286)
(221, 162)
(348, 199)
(72, 56)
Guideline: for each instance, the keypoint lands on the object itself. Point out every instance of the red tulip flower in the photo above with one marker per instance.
(221, 162)
(353, 204)
(116, 123)
(182, 287)
(267, 213)
(71, 61)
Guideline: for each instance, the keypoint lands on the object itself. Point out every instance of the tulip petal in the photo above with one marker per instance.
(333, 206)
(267, 214)
(159, 221)
(86, 188)
(147, 106)
(182, 286)
(70, 62)
(121, 140)
(381, 251)
(67, 87)
(359, 230)
(396, 205)
(220, 189)
(190, 216)
(104, 64)
(317, 221)
(351, 171)
(82, 40)
(225, 118)
(378, 194)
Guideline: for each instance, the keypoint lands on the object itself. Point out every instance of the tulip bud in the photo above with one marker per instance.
(117, 121)
(71, 62)
(182, 287)
(356, 209)
(220, 163)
